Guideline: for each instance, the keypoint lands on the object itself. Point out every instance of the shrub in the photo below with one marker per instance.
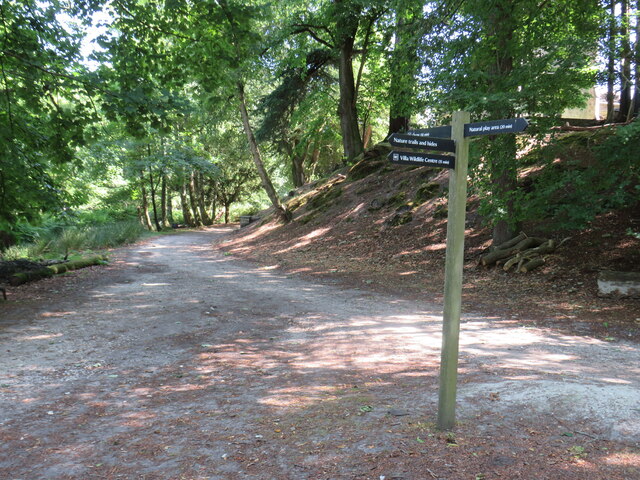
(585, 174)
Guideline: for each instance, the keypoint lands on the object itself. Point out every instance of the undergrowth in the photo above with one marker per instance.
(60, 241)
(581, 175)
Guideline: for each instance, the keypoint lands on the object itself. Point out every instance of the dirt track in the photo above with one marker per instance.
(179, 362)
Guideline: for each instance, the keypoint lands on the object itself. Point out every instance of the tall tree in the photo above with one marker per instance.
(636, 62)
(503, 58)
(611, 55)
(44, 107)
(210, 44)
(625, 61)
(344, 27)
(404, 65)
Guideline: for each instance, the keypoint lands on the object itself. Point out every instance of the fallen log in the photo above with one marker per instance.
(527, 243)
(511, 243)
(50, 270)
(577, 128)
(520, 258)
(531, 265)
(31, 276)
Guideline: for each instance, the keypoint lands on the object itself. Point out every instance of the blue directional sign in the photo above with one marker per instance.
(423, 143)
(422, 159)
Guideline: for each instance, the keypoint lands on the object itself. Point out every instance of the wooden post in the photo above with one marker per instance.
(453, 275)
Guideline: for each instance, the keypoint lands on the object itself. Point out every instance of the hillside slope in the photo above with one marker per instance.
(383, 227)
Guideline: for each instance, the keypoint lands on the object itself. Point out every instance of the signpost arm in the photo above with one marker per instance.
(453, 275)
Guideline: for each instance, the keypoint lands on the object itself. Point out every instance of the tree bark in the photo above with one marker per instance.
(351, 139)
(501, 153)
(152, 187)
(280, 209)
(170, 207)
(213, 193)
(193, 201)
(20, 278)
(636, 64)
(403, 68)
(611, 63)
(504, 177)
(297, 164)
(184, 202)
(347, 26)
(297, 169)
(199, 190)
(163, 203)
(146, 220)
(227, 207)
(625, 67)
(493, 257)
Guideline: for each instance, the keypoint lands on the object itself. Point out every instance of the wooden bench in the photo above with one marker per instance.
(247, 219)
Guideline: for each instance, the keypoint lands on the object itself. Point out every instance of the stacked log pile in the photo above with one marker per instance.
(522, 252)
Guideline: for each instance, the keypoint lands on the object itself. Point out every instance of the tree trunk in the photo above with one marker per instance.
(280, 210)
(504, 177)
(163, 203)
(227, 207)
(611, 63)
(351, 139)
(146, 220)
(501, 152)
(184, 202)
(193, 201)
(170, 208)
(297, 170)
(199, 191)
(152, 187)
(636, 64)
(625, 67)
(403, 67)
(313, 164)
(347, 26)
(213, 200)
(367, 136)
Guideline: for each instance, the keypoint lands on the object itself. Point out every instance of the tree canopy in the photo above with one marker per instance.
(187, 104)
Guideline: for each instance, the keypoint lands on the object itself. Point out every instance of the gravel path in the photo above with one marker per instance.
(180, 362)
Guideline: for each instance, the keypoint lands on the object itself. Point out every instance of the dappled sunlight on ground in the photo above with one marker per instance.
(219, 367)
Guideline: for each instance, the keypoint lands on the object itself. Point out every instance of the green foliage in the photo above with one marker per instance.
(113, 235)
(502, 58)
(53, 240)
(44, 107)
(162, 108)
(584, 174)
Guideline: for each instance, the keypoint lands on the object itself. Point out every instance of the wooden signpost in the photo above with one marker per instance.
(426, 143)
(454, 138)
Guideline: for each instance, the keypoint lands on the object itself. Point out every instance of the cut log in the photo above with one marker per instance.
(511, 243)
(531, 265)
(547, 247)
(50, 270)
(577, 128)
(527, 255)
(515, 260)
(529, 242)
